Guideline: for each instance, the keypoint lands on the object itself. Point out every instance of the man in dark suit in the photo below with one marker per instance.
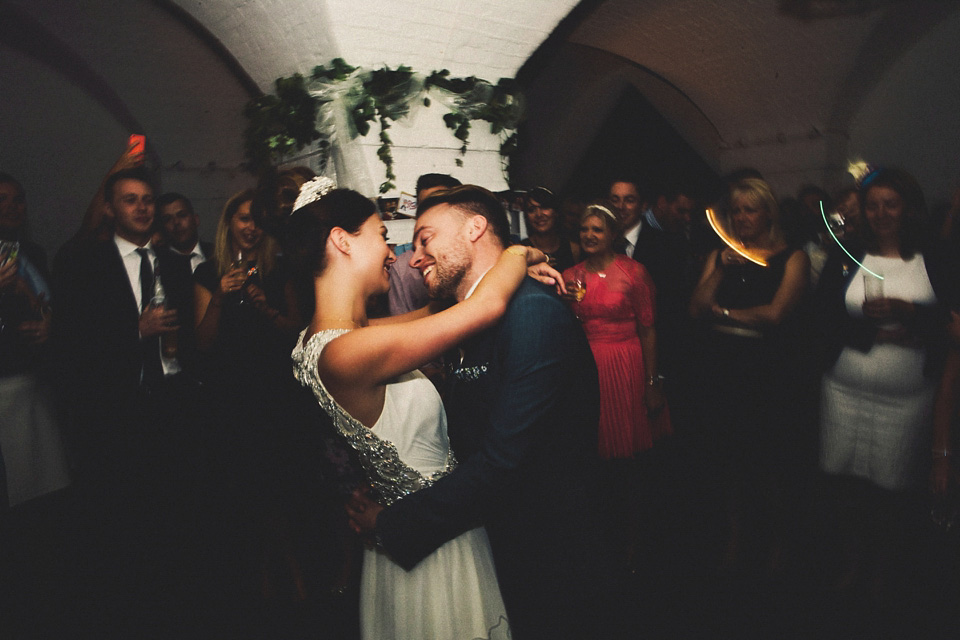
(523, 409)
(125, 395)
(180, 226)
(629, 202)
(663, 247)
(110, 335)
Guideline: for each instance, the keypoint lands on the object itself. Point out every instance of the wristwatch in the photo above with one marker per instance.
(655, 379)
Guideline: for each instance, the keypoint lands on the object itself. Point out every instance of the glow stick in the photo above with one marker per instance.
(837, 240)
(730, 242)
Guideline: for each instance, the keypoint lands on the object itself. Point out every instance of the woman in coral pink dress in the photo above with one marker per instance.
(617, 310)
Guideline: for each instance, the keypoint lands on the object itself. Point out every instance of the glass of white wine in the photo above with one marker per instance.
(577, 287)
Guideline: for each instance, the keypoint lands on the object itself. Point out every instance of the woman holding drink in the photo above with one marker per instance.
(613, 296)
(246, 322)
(885, 316)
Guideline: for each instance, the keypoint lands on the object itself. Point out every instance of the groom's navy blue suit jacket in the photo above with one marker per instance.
(522, 415)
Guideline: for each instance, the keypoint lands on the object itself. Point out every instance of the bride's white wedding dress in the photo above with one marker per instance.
(453, 593)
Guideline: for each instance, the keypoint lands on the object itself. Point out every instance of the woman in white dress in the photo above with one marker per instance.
(886, 318)
(364, 374)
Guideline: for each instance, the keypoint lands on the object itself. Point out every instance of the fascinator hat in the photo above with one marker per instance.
(862, 172)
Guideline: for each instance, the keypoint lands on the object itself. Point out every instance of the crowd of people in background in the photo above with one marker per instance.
(803, 376)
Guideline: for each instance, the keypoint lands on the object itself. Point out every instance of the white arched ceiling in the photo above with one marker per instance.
(572, 97)
(489, 39)
(742, 82)
(484, 38)
(78, 77)
(909, 118)
(781, 92)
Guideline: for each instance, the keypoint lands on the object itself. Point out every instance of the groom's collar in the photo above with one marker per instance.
(474, 287)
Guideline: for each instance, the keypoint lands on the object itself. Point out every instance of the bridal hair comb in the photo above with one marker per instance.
(313, 190)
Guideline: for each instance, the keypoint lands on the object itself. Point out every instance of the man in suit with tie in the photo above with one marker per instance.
(125, 393)
(111, 334)
(523, 409)
(629, 203)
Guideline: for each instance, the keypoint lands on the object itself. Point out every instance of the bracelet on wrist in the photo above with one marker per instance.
(655, 379)
(941, 453)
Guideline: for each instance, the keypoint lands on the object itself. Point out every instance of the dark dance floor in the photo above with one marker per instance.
(68, 574)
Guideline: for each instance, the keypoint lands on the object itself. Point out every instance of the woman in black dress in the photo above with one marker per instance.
(750, 341)
(246, 323)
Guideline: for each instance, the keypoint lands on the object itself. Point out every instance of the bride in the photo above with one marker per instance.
(364, 375)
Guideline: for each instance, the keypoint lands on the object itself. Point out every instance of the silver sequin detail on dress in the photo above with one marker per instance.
(390, 476)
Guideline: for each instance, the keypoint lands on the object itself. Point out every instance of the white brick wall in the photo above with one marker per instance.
(485, 38)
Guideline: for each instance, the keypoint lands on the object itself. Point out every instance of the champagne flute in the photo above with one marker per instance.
(240, 263)
(578, 288)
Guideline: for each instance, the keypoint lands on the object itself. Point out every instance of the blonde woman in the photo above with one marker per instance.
(750, 343)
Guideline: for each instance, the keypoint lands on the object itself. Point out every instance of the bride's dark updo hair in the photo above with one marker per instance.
(310, 225)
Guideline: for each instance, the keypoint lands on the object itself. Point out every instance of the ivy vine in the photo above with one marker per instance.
(288, 119)
(280, 123)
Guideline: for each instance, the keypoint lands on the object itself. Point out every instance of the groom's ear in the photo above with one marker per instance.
(476, 227)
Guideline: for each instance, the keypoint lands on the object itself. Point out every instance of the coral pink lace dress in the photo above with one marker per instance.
(615, 302)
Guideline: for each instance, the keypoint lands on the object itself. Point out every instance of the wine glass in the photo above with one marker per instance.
(577, 287)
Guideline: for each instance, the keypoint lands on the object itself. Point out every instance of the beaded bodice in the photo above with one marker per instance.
(390, 476)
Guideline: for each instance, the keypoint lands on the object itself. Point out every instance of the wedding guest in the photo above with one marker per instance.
(545, 232)
(111, 332)
(614, 298)
(98, 220)
(180, 227)
(35, 532)
(664, 249)
(629, 203)
(883, 314)
(810, 221)
(571, 210)
(748, 365)
(30, 440)
(848, 206)
(246, 319)
(274, 196)
(123, 385)
(616, 307)
(943, 473)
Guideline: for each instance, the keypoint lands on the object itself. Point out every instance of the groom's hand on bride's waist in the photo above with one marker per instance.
(362, 511)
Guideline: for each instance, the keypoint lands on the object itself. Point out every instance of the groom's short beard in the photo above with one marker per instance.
(448, 273)
(446, 282)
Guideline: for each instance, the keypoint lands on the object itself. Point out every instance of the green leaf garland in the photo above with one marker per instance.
(287, 120)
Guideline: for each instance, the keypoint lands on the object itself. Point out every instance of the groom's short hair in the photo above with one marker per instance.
(473, 200)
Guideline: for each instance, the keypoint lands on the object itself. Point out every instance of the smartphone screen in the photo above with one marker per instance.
(139, 141)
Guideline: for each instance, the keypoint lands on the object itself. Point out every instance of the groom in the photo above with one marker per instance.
(522, 409)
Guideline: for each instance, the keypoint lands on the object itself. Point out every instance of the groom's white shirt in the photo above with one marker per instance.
(475, 284)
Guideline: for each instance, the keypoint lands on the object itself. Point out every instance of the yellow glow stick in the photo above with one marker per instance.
(733, 244)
